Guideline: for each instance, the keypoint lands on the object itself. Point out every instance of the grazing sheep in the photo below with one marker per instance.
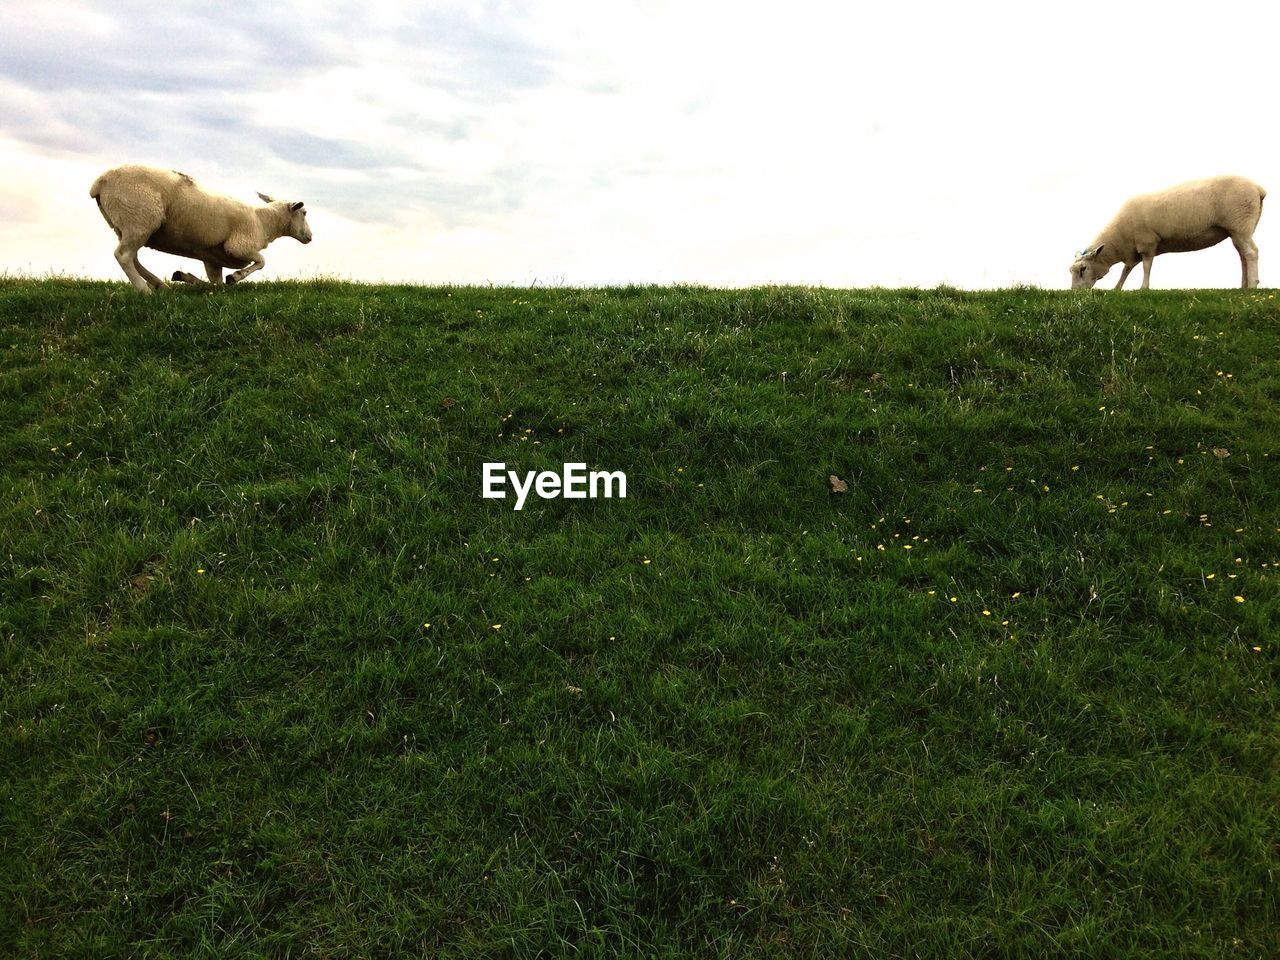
(1191, 216)
(170, 212)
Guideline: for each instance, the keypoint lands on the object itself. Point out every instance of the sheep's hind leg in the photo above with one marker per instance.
(213, 272)
(146, 274)
(257, 264)
(1248, 251)
(127, 257)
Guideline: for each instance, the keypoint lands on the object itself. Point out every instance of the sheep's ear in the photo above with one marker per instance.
(1096, 250)
(296, 206)
(265, 198)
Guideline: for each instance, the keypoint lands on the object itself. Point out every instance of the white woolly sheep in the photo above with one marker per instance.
(168, 211)
(1190, 216)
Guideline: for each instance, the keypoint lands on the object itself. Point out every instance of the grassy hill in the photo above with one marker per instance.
(276, 681)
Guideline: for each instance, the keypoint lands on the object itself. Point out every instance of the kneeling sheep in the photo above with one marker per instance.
(168, 211)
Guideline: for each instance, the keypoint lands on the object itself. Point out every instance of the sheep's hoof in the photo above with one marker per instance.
(231, 278)
(177, 276)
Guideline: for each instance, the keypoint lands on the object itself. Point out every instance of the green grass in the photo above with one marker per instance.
(730, 716)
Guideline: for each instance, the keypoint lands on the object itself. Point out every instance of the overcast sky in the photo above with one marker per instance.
(891, 144)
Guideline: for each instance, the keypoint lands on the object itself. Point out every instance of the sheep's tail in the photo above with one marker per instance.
(95, 192)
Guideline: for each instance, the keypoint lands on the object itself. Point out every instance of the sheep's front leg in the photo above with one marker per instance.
(211, 270)
(1146, 270)
(1124, 274)
(256, 264)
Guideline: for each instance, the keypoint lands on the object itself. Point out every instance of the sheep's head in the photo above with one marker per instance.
(296, 214)
(1087, 270)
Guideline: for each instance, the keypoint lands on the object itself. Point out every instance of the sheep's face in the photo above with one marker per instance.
(1087, 271)
(299, 229)
(295, 217)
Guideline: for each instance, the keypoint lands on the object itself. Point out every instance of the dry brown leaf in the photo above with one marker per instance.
(1221, 453)
(837, 485)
